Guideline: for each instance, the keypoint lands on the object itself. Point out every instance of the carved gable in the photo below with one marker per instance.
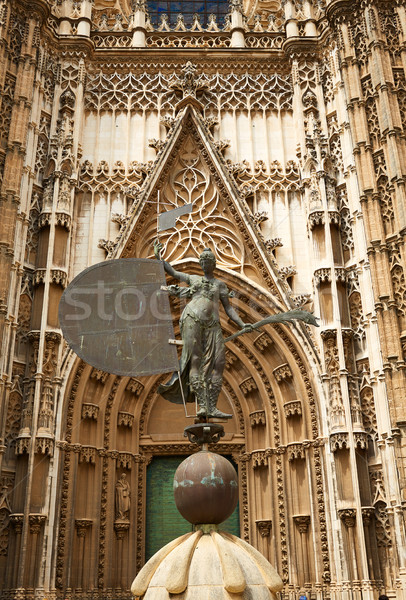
(190, 169)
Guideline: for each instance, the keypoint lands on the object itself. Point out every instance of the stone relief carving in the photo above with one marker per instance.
(146, 91)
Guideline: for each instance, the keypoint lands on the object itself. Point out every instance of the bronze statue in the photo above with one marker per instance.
(203, 355)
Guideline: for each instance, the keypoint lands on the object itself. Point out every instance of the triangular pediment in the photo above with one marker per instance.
(190, 169)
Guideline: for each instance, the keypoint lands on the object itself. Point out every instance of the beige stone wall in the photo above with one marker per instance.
(291, 136)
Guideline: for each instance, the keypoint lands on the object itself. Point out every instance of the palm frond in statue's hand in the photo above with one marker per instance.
(285, 317)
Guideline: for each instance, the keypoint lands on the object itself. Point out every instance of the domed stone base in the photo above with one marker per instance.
(207, 565)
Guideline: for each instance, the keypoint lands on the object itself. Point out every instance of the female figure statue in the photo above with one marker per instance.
(123, 494)
(203, 355)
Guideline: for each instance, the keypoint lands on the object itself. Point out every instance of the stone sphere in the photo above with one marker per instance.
(206, 488)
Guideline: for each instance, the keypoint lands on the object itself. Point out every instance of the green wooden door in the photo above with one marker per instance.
(163, 521)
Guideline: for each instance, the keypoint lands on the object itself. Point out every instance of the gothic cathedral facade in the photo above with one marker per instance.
(284, 124)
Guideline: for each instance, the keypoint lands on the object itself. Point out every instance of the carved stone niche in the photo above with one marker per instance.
(334, 217)
(135, 386)
(22, 444)
(90, 411)
(59, 277)
(99, 375)
(339, 441)
(361, 440)
(17, 520)
(248, 385)
(263, 341)
(282, 373)
(322, 275)
(124, 460)
(120, 528)
(264, 527)
(340, 274)
(87, 454)
(257, 417)
(63, 219)
(316, 217)
(125, 419)
(44, 445)
(368, 513)
(259, 459)
(295, 451)
(36, 521)
(293, 408)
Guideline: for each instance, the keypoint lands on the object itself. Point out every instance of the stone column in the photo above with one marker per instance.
(16, 520)
(368, 513)
(292, 29)
(138, 25)
(265, 527)
(82, 525)
(36, 522)
(310, 25)
(302, 522)
(348, 517)
(237, 25)
(120, 527)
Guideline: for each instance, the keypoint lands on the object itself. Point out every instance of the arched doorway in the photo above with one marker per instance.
(114, 426)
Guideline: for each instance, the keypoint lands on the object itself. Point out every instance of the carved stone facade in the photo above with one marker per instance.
(285, 127)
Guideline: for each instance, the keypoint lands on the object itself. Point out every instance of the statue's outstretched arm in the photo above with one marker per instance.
(168, 268)
(232, 313)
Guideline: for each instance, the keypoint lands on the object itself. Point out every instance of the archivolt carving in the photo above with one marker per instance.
(316, 451)
(237, 406)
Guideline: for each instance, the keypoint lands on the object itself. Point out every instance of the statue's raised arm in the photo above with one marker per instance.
(168, 267)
